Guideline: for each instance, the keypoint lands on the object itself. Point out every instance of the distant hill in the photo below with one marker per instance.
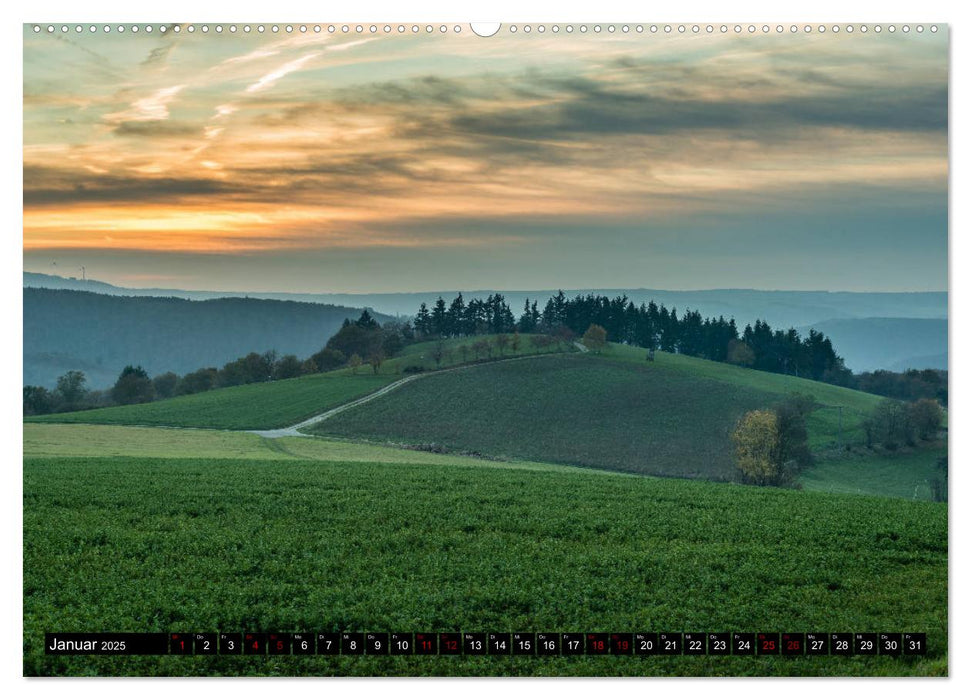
(779, 308)
(867, 344)
(100, 334)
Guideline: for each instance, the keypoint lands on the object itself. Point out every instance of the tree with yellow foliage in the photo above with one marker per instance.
(756, 439)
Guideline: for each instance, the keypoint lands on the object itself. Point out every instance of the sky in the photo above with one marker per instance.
(381, 162)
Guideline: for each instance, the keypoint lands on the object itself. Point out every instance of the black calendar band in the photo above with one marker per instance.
(538, 644)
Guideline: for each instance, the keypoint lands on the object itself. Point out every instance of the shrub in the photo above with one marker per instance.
(791, 417)
(165, 385)
(740, 353)
(198, 381)
(287, 367)
(926, 416)
(328, 359)
(889, 425)
(133, 386)
(595, 338)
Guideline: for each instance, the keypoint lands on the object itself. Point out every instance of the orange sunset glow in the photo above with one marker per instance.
(327, 154)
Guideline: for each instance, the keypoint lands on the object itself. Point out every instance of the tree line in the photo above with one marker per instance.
(650, 326)
(655, 327)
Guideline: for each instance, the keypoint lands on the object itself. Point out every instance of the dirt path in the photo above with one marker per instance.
(295, 430)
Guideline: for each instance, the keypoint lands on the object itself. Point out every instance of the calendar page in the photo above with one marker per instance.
(515, 349)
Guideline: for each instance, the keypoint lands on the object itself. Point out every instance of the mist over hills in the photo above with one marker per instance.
(100, 334)
(897, 344)
(779, 308)
(871, 330)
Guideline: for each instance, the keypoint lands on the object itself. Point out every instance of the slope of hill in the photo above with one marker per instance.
(247, 407)
(100, 334)
(671, 417)
(274, 404)
(898, 344)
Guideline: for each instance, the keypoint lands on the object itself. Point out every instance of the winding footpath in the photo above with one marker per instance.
(296, 429)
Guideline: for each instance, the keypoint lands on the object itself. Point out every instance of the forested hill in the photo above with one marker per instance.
(99, 334)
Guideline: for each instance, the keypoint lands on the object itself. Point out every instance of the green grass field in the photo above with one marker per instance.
(908, 474)
(143, 544)
(823, 424)
(78, 440)
(281, 403)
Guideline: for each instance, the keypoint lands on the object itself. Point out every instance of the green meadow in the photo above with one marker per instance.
(78, 440)
(202, 544)
(500, 496)
(908, 474)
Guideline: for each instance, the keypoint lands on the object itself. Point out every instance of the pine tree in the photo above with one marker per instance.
(423, 321)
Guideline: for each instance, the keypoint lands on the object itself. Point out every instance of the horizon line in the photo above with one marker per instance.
(506, 291)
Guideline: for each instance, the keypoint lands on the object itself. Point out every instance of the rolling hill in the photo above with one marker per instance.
(672, 417)
(612, 411)
(100, 334)
(275, 404)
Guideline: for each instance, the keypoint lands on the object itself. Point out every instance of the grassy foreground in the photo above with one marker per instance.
(140, 544)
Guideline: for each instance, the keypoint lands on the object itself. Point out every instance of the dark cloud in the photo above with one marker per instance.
(429, 89)
(535, 118)
(156, 128)
(600, 110)
(45, 186)
(158, 55)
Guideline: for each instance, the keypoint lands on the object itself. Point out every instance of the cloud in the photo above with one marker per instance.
(155, 107)
(349, 45)
(272, 77)
(412, 148)
(254, 55)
